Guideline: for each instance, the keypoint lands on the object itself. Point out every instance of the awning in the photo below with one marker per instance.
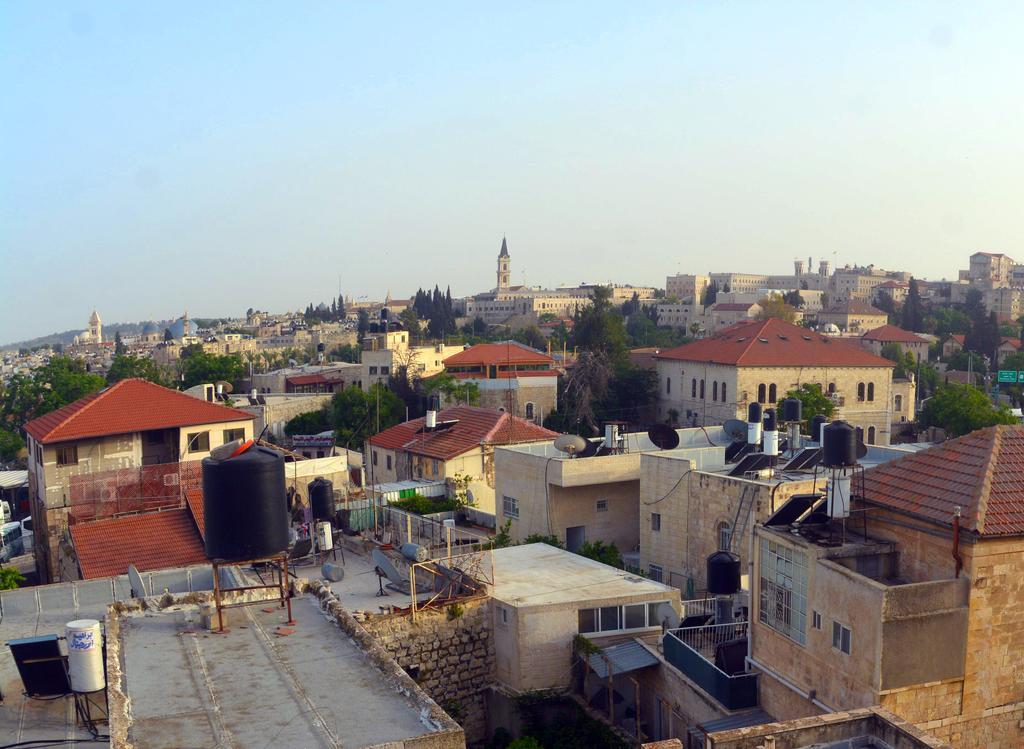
(625, 657)
(13, 479)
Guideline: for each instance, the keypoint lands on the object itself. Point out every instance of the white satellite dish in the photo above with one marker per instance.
(138, 586)
(570, 444)
(667, 615)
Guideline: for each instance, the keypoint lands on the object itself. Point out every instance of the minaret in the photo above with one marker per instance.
(184, 325)
(504, 267)
(96, 327)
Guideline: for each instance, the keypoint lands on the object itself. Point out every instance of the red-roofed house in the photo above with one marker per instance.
(956, 342)
(919, 609)
(131, 424)
(726, 314)
(462, 444)
(876, 338)
(853, 316)
(511, 377)
(714, 379)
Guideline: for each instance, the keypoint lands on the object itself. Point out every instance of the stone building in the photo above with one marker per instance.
(385, 354)
(130, 424)
(510, 376)
(873, 340)
(714, 379)
(462, 444)
(686, 288)
(853, 316)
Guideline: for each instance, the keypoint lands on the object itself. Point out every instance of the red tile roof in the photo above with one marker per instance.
(773, 343)
(128, 406)
(959, 338)
(893, 285)
(476, 426)
(498, 353)
(892, 334)
(153, 541)
(1013, 343)
(982, 473)
(853, 307)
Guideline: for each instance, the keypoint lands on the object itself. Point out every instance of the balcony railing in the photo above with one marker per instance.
(696, 650)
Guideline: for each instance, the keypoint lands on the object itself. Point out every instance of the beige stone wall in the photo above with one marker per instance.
(682, 702)
(544, 397)
(679, 380)
(577, 505)
(452, 658)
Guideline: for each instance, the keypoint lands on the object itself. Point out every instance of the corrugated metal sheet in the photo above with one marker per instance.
(13, 479)
(626, 657)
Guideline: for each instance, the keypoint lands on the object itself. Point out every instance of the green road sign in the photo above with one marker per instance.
(1007, 375)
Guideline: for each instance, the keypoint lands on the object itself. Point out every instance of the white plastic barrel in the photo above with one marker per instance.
(85, 655)
(324, 536)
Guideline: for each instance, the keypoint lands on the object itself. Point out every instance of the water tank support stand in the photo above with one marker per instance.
(278, 562)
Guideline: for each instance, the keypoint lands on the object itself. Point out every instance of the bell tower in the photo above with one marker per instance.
(504, 267)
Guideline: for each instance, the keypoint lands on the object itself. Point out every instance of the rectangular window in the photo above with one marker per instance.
(510, 507)
(67, 456)
(39, 453)
(655, 572)
(636, 616)
(655, 521)
(502, 616)
(602, 505)
(841, 637)
(783, 590)
(611, 618)
(384, 370)
(154, 438)
(816, 620)
(587, 620)
(230, 435)
(375, 457)
(373, 370)
(433, 467)
(199, 442)
(619, 618)
(388, 459)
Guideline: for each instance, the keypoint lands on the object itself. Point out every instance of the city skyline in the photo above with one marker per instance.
(217, 159)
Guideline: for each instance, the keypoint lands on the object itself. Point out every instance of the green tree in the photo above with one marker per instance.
(59, 382)
(311, 422)
(814, 401)
(119, 347)
(793, 299)
(960, 409)
(599, 328)
(948, 321)
(912, 316)
(532, 337)
(11, 444)
(355, 415)
(602, 552)
(128, 365)
(410, 321)
(964, 360)
(10, 578)
(775, 306)
(906, 363)
(346, 352)
(198, 367)
(454, 390)
(363, 324)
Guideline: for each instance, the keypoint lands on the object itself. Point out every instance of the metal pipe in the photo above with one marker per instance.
(956, 540)
(787, 683)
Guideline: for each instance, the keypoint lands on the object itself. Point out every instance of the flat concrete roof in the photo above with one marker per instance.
(543, 575)
(307, 685)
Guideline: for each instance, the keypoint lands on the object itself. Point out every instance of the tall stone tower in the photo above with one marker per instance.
(504, 267)
(95, 327)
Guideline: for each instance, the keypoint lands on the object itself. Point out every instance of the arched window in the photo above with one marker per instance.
(693, 388)
(897, 403)
(860, 391)
(724, 535)
(529, 410)
(772, 393)
(702, 389)
(714, 390)
(723, 392)
(871, 435)
(761, 393)
(871, 391)
(831, 388)
(668, 385)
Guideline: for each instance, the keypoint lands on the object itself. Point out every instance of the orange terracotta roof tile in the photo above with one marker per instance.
(152, 541)
(893, 334)
(127, 406)
(773, 343)
(509, 352)
(475, 426)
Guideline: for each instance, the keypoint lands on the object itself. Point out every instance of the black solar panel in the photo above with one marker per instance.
(737, 450)
(797, 505)
(806, 458)
(752, 462)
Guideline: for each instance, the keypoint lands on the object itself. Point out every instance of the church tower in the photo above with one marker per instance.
(95, 328)
(504, 267)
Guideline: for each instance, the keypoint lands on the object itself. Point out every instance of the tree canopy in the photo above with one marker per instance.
(960, 409)
(775, 306)
(599, 328)
(455, 391)
(128, 365)
(198, 367)
(814, 401)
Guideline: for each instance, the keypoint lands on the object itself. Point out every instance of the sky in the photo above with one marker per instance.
(218, 156)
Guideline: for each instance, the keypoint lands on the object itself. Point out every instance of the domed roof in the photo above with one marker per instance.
(178, 328)
(150, 328)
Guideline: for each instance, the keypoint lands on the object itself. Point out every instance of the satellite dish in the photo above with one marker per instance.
(570, 443)
(862, 449)
(735, 429)
(663, 436)
(590, 450)
(668, 615)
(137, 585)
(386, 569)
(225, 386)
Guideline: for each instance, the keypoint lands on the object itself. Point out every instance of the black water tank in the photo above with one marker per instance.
(754, 413)
(321, 498)
(245, 506)
(723, 573)
(770, 424)
(792, 409)
(840, 450)
(816, 421)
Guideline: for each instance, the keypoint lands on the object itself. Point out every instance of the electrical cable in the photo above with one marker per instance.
(54, 742)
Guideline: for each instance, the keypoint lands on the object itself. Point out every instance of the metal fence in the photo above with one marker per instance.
(706, 639)
(104, 494)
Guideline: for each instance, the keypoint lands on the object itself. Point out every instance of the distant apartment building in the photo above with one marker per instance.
(714, 379)
(309, 378)
(686, 288)
(1007, 302)
(853, 316)
(682, 316)
(990, 270)
(877, 338)
(727, 314)
(462, 443)
(510, 377)
(384, 354)
(130, 424)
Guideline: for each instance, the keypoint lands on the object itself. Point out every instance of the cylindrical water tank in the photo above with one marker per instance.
(723, 573)
(770, 423)
(754, 423)
(817, 421)
(792, 409)
(754, 413)
(85, 655)
(414, 552)
(838, 496)
(245, 506)
(321, 498)
(840, 448)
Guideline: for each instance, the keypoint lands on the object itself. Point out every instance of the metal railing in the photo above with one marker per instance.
(693, 651)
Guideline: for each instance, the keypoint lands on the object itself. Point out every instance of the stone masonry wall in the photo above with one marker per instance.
(450, 657)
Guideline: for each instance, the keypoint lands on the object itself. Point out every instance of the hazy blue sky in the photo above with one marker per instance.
(222, 155)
